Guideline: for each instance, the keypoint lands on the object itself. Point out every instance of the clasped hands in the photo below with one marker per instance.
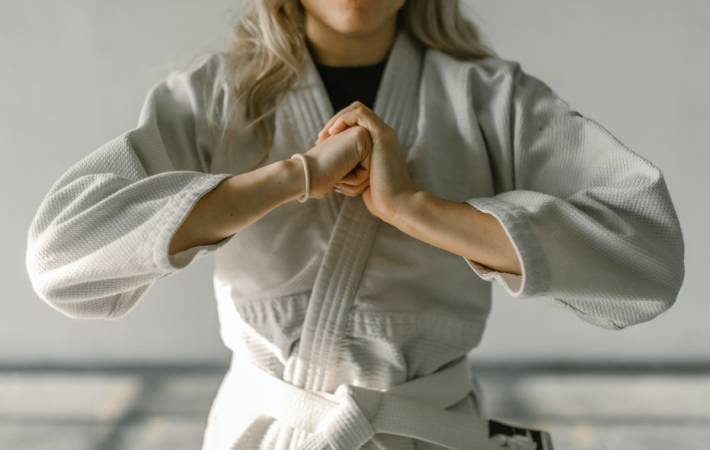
(381, 175)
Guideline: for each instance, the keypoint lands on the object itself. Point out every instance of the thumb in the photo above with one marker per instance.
(363, 144)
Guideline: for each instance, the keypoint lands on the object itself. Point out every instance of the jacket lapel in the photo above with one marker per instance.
(396, 102)
(307, 107)
(314, 363)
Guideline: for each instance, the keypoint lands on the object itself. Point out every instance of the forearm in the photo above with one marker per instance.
(237, 202)
(458, 228)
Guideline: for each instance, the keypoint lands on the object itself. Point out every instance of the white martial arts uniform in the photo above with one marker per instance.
(322, 304)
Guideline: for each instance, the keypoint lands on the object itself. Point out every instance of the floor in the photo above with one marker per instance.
(166, 408)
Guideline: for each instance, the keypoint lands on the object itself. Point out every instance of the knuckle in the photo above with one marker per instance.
(361, 133)
(362, 137)
(360, 108)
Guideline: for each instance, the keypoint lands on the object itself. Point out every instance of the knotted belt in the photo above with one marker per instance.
(352, 415)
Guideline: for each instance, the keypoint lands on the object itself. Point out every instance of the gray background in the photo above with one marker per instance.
(75, 74)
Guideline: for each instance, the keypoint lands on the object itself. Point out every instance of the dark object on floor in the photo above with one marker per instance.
(542, 439)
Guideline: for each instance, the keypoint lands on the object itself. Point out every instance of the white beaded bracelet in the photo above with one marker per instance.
(307, 190)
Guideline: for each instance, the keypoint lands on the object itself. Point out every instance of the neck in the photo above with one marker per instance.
(332, 48)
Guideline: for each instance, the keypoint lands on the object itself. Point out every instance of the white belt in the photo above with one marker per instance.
(348, 418)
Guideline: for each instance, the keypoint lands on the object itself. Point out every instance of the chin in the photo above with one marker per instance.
(352, 17)
(354, 26)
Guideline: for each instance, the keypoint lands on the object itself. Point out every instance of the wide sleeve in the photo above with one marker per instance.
(100, 236)
(591, 221)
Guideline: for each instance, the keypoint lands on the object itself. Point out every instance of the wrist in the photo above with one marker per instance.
(292, 176)
(406, 207)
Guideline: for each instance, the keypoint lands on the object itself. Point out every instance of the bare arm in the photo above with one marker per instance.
(243, 199)
(124, 215)
(237, 202)
(447, 225)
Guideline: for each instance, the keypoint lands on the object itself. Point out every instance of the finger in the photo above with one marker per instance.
(324, 134)
(362, 117)
(360, 189)
(339, 190)
(353, 179)
(336, 127)
(362, 184)
(324, 131)
(356, 105)
(351, 191)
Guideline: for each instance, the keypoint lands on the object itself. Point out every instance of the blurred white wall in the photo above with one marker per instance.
(75, 73)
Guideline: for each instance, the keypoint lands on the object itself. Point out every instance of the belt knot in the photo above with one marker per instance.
(352, 424)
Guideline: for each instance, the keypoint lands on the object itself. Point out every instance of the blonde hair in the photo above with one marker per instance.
(269, 49)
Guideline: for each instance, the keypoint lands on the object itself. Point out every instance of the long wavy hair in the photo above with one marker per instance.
(268, 51)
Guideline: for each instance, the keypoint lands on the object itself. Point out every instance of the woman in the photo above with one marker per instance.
(350, 313)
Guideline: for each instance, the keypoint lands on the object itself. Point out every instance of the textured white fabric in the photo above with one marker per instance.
(354, 414)
(592, 222)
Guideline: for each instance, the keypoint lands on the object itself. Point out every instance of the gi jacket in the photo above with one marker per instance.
(322, 294)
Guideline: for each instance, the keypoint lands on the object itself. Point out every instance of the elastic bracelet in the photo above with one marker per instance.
(307, 190)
